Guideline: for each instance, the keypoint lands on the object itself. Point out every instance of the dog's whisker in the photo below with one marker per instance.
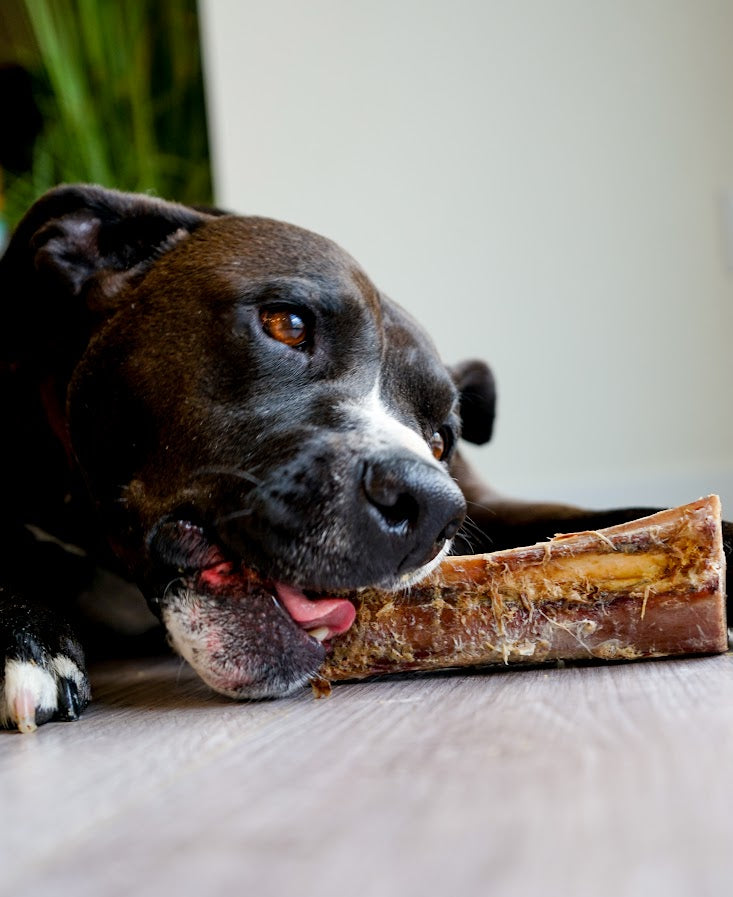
(464, 541)
(222, 470)
(465, 537)
(487, 508)
(465, 546)
(170, 585)
(235, 515)
(469, 525)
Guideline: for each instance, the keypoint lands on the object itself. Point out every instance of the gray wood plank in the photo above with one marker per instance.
(593, 780)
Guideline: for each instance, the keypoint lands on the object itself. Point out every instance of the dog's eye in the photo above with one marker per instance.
(441, 443)
(285, 326)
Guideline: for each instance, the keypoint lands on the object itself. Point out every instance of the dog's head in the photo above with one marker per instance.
(256, 423)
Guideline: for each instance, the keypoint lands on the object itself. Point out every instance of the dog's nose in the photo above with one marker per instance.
(411, 509)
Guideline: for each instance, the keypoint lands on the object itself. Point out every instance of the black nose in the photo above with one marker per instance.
(411, 508)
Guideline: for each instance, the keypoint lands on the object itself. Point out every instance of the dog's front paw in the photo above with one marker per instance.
(43, 676)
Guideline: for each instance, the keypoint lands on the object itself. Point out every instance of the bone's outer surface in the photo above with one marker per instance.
(652, 587)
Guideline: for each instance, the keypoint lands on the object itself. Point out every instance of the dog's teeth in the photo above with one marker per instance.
(320, 634)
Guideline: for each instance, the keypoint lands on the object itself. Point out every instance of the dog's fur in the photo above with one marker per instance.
(155, 424)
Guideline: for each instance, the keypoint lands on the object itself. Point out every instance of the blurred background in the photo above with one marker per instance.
(548, 186)
(101, 91)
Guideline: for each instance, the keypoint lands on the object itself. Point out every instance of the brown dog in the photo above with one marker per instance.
(229, 413)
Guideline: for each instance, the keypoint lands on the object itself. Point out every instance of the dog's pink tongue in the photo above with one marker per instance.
(335, 613)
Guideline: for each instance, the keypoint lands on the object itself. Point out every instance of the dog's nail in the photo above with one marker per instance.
(69, 703)
(320, 634)
(24, 712)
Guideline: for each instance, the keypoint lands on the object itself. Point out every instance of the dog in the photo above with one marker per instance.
(227, 412)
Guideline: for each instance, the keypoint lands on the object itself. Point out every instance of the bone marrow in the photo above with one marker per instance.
(653, 587)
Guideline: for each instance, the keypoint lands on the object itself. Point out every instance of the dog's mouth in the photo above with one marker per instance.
(319, 616)
(246, 635)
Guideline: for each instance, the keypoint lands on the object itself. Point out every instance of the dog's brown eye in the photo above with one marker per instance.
(437, 445)
(285, 326)
(441, 442)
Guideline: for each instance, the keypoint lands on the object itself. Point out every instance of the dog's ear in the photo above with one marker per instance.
(475, 384)
(79, 236)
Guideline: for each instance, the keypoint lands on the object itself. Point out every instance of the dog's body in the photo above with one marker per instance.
(226, 411)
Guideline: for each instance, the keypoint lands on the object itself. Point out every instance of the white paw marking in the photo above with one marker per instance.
(65, 668)
(27, 689)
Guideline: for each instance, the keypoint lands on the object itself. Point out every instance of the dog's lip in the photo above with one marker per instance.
(214, 572)
(322, 618)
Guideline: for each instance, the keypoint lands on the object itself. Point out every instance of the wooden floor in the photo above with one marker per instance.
(593, 781)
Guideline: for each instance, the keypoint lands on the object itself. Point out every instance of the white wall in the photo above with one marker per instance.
(540, 181)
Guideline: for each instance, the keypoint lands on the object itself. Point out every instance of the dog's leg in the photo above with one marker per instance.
(495, 522)
(42, 670)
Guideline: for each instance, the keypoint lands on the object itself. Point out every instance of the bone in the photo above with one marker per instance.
(654, 587)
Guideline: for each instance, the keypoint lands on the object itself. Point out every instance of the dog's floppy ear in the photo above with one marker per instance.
(80, 235)
(475, 384)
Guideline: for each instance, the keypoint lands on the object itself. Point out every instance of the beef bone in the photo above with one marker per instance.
(652, 587)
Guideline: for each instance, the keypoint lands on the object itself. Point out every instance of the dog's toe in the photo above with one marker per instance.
(28, 695)
(32, 693)
(42, 673)
(69, 701)
(73, 690)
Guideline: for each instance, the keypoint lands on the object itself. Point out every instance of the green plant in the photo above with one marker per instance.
(120, 90)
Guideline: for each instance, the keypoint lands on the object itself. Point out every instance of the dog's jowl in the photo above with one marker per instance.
(226, 411)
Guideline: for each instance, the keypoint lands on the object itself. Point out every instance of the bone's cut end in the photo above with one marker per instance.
(653, 587)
